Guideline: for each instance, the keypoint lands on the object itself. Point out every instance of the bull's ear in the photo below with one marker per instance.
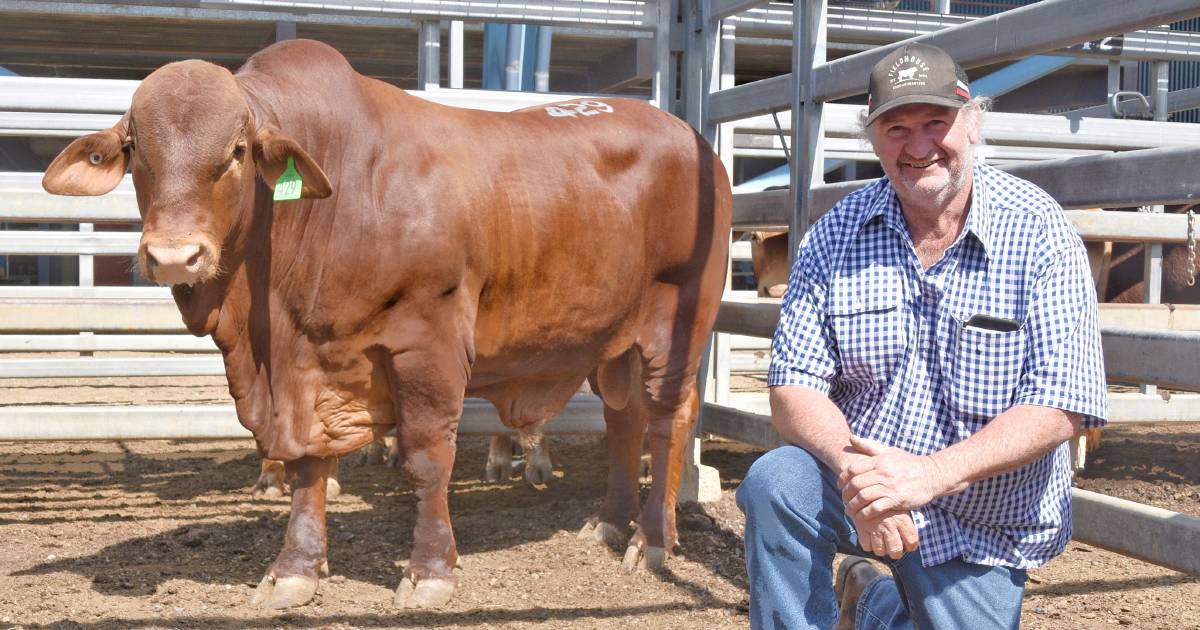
(272, 148)
(91, 165)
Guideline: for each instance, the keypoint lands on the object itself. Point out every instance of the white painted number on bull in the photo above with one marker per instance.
(580, 108)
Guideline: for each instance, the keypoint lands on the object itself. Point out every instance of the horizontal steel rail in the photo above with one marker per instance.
(1177, 101)
(582, 415)
(872, 27)
(769, 145)
(1144, 532)
(1159, 357)
(73, 98)
(722, 9)
(24, 315)
(1130, 407)
(1042, 27)
(105, 343)
(35, 243)
(1003, 128)
(1037, 28)
(85, 293)
(97, 367)
(106, 367)
(1130, 178)
(23, 199)
(635, 16)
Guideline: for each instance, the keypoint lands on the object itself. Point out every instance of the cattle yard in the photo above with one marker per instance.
(108, 530)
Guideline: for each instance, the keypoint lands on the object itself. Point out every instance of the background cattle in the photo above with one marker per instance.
(433, 253)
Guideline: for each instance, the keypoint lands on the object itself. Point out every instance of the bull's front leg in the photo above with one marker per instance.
(292, 579)
(428, 389)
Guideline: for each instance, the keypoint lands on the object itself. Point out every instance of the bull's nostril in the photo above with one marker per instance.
(194, 259)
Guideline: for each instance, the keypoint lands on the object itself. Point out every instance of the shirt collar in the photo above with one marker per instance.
(887, 206)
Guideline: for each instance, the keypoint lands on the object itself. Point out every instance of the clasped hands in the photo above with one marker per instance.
(880, 484)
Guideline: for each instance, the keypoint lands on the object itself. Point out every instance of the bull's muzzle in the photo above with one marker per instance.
(177, 263)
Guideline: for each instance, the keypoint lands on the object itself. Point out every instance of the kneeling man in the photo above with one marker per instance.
(937, 345)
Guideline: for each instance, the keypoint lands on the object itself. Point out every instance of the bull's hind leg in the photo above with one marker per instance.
(539, 469)
(292, 579)
(667, 436)
(499, 459)
(270, 483)
(270, 480)
(625, 427)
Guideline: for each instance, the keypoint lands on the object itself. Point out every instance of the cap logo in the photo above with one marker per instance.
(908, 70)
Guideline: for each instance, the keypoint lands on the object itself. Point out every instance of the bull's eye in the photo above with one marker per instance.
(95, 158)
(239, 152)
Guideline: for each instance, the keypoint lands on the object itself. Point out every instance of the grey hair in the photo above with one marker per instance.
(974, 110)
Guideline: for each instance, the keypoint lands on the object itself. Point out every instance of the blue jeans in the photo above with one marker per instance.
(795, 524)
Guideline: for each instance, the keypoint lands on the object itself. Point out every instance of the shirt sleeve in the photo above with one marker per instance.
(1064, 367)
(802, 352)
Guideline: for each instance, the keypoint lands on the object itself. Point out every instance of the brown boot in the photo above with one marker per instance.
(853, 577)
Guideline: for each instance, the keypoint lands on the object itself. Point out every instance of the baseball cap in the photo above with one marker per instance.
(916, 73)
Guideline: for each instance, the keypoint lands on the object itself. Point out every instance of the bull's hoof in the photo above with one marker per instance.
(333, 489)
(639, 555)
(393, 453)
(539, 472)
(600, 532)
(499, 459)
(265, 489)
(372, 454)
(427, 593)
(498, 469)
(285, 592)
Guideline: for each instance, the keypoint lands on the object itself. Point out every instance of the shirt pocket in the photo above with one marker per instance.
(869, 332)
(986, 368)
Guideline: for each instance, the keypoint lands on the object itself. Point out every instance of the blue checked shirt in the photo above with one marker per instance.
(885, 339)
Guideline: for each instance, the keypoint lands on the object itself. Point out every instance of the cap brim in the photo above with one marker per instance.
(915, 99)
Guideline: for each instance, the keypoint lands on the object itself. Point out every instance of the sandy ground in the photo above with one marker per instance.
(164, 534)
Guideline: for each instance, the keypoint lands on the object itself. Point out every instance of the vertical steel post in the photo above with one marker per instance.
(1114, 77)
(456, 54)
(701, 77)
(87, 276)
(541, 72)
(514, 57)
(1152, 259)
(429, 58)
(809, 19)
(943, 6)
(663, 88)
(721, 341)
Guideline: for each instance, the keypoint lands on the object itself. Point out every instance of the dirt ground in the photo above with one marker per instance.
(165, 534)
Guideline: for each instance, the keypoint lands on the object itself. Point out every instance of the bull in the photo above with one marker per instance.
(432, 253)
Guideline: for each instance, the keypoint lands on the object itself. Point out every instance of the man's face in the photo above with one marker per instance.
(925, 150)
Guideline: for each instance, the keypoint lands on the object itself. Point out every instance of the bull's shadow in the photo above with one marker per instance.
(370, 531)
(366, 541)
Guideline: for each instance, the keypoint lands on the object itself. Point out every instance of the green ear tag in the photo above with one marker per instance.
(288, 186)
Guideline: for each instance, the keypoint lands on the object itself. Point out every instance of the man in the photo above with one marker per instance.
(936, 347)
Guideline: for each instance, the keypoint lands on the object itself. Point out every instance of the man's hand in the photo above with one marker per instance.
(890, 480)
(890, 535)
